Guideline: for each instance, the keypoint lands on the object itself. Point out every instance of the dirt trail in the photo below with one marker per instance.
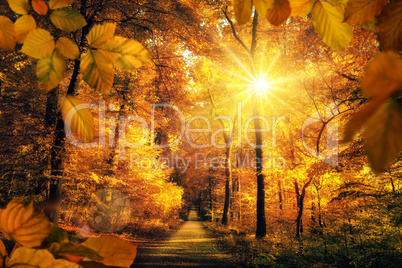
(190, 246)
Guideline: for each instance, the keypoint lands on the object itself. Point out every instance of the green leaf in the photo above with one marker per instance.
(327, 21)
(68, 48)
(23, 25)
(383, 136)
(54, 4)
(19, 6)
(7, 34)
(97, 70)
(74, 249)
(79, 121)
(101, 34)
(50, 71)
(126, 53)
(38, 44)
(58, 235)
(68, 20)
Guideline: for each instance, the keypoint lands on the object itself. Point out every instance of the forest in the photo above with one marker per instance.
(279, 122)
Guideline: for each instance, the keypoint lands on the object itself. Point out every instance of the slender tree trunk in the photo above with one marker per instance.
(300, 206)
(261, 230)
(228, 187)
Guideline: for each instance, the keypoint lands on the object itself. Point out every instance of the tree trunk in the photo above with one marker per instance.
(261, 230)
(228, 187)
(300, 205)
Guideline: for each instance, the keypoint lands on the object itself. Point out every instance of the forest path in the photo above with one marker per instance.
(190, 246)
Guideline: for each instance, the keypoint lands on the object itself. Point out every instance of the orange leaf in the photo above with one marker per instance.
(279, 12)
(383, 75)
(390, 27)
(40, 7)
(116, 252)
(362, 11)
(243, 10)
(300, 7)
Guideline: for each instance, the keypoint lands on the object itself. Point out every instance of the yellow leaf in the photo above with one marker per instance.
(28, 257)
(300, 7)
(115, 251)
(38, 44)
(68, 20)
(363, 11)
(7, 34)
(77, 119)
(68, 48)
(383, 75)
(54, 4)
(262, 6)
(101, 34)
(23, 26)
(243, 10)
(383, 136)
(97, 70)
(390, 27)
(127, 53)
(19, 6)
(23, 223)
(50, 71)
(40, 7)
(327, 21)
(279, 12)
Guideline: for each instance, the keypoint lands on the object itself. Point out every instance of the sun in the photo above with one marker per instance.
(261, 85)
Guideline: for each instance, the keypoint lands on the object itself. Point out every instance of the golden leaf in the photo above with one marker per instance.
(243, 10)
(68, 48)
(115, 251)
(19, 6)
(262, 6)
(279, 12)
(327, 21)
(383, 75)
(101, 34)
(78, 119)
(7, 34)
(25, 224)
(390, 27)
(128, 54)
(38, 44)
(300, 7)
(97, 70)
(363, 11)
(28, 257)
(23, 26)
(40, 7)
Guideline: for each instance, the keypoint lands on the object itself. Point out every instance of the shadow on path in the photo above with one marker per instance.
(190, 246)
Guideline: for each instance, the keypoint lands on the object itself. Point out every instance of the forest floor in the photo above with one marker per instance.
(190, 246)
